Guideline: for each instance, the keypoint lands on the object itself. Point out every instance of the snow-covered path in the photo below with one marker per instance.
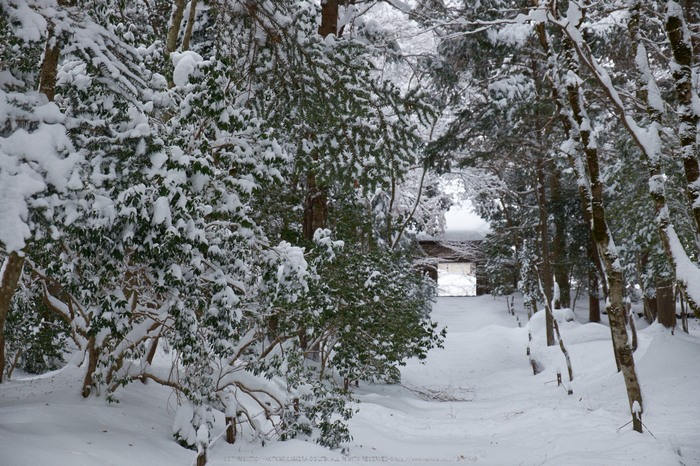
(509, 416)
(474, 402)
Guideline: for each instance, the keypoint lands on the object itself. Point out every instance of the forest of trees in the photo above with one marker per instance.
(240, 183)
(577, 126)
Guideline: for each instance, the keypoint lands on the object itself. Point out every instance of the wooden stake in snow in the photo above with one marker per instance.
(202, 445)
(636, 416)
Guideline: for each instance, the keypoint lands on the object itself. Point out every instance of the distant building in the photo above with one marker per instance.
(455, 262)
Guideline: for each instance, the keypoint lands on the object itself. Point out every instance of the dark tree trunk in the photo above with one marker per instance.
(315, 207)
(329, 18)
(12, 272)
(665, 303)
(593, 298)
(231, 430)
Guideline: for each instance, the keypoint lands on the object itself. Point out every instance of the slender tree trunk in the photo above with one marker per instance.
(606, 246)
(591, 189)
(2, 357)
(547, 281)
(652, 304)
(566, 122)
(316, 201)
(176, 22)
(190, 24)
(649, 303)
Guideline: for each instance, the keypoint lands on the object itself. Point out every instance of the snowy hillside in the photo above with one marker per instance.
(474, 402)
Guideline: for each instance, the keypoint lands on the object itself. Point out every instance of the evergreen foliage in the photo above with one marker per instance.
(167, 212)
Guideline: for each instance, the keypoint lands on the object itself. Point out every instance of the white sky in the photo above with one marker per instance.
(461, 217)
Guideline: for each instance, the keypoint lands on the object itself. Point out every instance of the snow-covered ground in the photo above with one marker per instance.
(474, 402)
(456, 284)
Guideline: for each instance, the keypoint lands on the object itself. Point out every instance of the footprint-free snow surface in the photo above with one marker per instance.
(476, 401)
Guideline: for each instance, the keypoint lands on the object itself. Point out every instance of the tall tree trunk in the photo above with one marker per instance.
(566, 122)
(547, 281)
(591, 189)
(679, 39)
(316, 201)
(2, 357)
(603, 238)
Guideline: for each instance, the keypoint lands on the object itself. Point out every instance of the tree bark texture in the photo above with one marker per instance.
(49, 67)
(665, 303)
(329, 18)
(315, 207)
(190, 24)
(93, 354)
(607, 250)
(679, 39)
(11, 273)
(174, 30)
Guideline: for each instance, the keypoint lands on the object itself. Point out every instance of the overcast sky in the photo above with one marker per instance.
(462, 218)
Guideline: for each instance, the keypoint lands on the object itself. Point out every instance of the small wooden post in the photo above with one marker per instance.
(558, 377)
(637, 417)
